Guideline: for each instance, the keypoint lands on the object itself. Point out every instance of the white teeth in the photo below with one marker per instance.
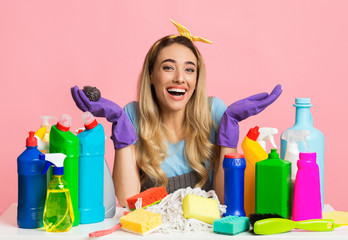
(177, 90)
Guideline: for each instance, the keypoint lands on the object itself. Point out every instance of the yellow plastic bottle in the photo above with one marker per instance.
(58, 212)
(253, 153)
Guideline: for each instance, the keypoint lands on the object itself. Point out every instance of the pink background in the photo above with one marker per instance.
(48, 46)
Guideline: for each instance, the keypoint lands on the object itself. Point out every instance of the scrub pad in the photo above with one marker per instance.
(231, 225)
(141, 221)
(201, 208)
(148, 197)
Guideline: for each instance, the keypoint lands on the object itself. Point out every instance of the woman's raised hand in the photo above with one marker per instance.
(123, 133)
(240, 110)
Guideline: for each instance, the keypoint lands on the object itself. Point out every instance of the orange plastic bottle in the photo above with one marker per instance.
(253, 153)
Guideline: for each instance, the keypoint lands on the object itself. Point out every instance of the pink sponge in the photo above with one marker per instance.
(149, 197)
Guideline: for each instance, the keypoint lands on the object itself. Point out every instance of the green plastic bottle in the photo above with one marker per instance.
(64, 141)
(273, 183)
(58, 213)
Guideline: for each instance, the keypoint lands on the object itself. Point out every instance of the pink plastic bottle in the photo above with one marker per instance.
(307, 198)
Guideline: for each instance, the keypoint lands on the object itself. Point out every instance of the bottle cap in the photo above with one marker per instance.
(273, 154)
(308, 156)
(89, 120)
(234, 155)
(31, 141)
(304, 102)
(64, 123)
(253, 133)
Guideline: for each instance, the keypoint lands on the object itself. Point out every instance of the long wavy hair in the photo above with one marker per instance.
(152, 146)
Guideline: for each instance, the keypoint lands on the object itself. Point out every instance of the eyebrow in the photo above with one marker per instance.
(173, 61)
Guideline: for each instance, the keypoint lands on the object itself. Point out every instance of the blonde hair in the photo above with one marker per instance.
(151, 148)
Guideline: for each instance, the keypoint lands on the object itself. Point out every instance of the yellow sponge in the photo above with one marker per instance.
(201, 208)
(141, 221)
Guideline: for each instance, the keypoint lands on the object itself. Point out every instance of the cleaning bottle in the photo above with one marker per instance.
(46, 138)
(109, 193)
(315, 141)
(266, 133)
(234, 167)
(109, 189)
(64, 141)
(292, 154)
(307, 199)
(91, 171)
(253, 153)
(39, 135)
(273, 185)
(58, 215)
(31, 186)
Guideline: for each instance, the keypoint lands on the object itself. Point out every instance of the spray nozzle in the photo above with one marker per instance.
(45, 120)
(295, 136)
(89, 120)
(266, 133)
(53, 159)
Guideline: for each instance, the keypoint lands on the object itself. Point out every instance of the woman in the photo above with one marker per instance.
(179, 141)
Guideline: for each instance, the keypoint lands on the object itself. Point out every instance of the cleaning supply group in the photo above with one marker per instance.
(257, 185)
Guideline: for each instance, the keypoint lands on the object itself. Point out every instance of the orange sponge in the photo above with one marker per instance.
(149, 197)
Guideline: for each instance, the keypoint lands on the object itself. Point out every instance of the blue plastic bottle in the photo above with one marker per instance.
(32, 186)
(315, 140)
(91, 171)
(234, 166)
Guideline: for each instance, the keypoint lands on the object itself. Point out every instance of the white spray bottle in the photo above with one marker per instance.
(266, 133)
(46, 138)
(292, 154)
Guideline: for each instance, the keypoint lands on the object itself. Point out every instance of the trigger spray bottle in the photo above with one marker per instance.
(267, 133)
(64, 141)
(253, 153)
(58, 214)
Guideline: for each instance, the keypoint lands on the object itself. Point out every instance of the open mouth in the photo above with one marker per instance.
(176, 91)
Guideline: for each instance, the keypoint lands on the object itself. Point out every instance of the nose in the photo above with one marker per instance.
(179, 77)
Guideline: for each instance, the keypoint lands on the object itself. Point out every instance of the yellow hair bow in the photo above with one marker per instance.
(183, 31)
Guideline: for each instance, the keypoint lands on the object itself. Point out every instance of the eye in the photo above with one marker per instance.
(167, 68)
(191, 70)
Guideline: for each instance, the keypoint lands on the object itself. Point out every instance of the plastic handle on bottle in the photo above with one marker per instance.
(47, 166)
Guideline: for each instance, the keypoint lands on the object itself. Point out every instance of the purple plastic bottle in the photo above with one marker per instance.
(307, 198)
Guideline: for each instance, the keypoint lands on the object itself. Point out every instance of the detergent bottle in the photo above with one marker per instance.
(234, 167)
(58, 215)
(46, 138)
(253, 153)
(39, 135)
(307, 199)
(315, 141)
(64, 141)
(109, 189)
(293, 137)
(31, 186)
(266, 133)
(91, 171)
(273, 185)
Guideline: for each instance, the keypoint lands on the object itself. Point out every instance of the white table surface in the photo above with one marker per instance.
(9, 230)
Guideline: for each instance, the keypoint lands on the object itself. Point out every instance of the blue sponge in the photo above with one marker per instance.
(231, 225)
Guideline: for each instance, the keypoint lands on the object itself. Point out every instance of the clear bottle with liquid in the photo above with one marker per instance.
(58, 213)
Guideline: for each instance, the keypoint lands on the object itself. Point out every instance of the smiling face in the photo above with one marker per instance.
(174, 77)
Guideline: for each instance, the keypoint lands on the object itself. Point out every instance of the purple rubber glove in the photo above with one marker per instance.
(123, 133)
(240, 110)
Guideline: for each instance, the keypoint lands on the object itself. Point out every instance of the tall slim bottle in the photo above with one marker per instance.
(31, 186)
(91, 171)
(64, 141)
(315, 140)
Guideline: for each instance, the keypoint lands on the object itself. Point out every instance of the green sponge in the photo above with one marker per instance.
(231, 225)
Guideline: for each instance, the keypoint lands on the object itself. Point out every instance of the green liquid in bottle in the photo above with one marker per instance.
(58, 213)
